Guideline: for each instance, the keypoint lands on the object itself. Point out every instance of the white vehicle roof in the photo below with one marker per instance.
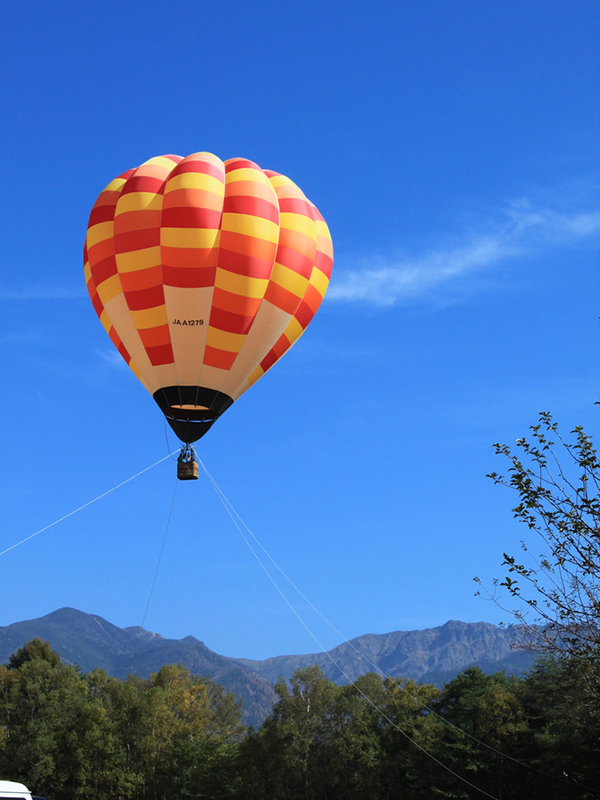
(11, 789)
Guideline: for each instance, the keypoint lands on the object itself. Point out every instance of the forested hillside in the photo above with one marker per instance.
(70, 735)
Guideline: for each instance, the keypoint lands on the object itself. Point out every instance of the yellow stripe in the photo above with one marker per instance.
(109, 288)
(249, 225)
(288, 279)
(320, 281)
(87, 272)
(299, 223)
(106, 323)
(196, 180)
(280, 180)
(139, 201)
(138, 259)
(247, 174)
(99, 233)
(189, 237)
(258, 373)
(150, 317)
(241, 284)
(232, 342)
(322, 229)
(293, 330)
(161, 161)
(116, 183)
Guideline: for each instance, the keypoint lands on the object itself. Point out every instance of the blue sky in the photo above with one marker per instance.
(452, 148)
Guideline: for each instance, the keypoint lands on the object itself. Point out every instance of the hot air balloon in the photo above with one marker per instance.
(204, 273)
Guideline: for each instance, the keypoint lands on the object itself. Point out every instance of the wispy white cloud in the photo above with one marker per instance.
(113, 359)
(41, 293)
(522, 229)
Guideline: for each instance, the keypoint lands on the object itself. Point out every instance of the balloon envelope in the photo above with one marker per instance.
(204, 273)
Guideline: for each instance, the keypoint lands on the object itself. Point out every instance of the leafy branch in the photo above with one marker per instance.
(557, 481)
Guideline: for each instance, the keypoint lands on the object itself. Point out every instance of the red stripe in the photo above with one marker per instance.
(254, 206)
(97, 303)
(102, 214)
(104, 269)
(143, 183)
(155, 337)
(193, 165)
(137, 240)
(304, 314)
(190, 217)
(161, 354)
(188, 277)
(140, 279)
(240, 163)
(232, 323)
(282, 298)
(280, 346)
(268, 360)
(316, 214)
(294, 205)
(223, 359)
(244, 265)
(123, 350)
(175, 159)
(324, 263)
(292, 259)
(313, 298)
(145, 298)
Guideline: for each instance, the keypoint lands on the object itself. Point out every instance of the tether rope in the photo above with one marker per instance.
(160, 555)
(226, 504)
(162, 547)
(232, 512)
(85, 505)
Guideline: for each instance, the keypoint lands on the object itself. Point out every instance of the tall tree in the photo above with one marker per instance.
(558, 592)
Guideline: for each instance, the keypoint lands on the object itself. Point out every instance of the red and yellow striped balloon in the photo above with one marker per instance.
(204, 273)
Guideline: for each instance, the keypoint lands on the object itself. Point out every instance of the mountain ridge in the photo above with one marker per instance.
(432, 655)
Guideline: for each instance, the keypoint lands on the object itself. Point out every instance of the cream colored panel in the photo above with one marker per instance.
(212, 377)
(269, 324)
(165, 375)
(120, 315)
(136, 350)
(188, 341)
(237, 383)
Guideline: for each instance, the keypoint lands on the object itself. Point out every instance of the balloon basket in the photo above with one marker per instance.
(187, 471)
(187, 466)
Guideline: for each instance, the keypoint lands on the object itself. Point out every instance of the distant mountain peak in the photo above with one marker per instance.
(433, 655)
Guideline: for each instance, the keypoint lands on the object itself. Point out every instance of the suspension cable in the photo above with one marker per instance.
(395, 725)
(160, 555)
(85, 505)
(232, 512)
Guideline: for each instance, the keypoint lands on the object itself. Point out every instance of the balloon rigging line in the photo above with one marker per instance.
(162, 547)
(171, 454)
(226, 505)
(231, 510)
(85, 505)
